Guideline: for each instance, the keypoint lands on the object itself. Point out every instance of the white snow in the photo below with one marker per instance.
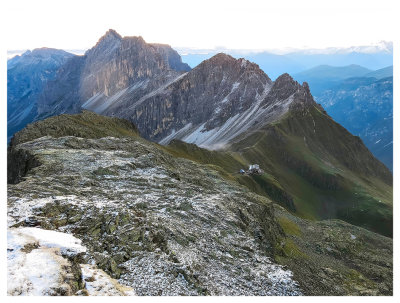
(98, 283)
(34, 264)
(67, 243)
(23, 208)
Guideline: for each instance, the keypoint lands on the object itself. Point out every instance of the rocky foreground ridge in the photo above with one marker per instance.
(164, 225)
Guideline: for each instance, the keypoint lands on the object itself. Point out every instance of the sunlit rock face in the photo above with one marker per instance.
(115, 63)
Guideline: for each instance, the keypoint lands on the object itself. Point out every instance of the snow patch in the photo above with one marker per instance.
(67, 243)
(34, 264)
(98, 283)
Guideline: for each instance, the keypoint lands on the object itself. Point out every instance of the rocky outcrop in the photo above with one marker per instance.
(164, 225)
(172, 57)
(85, 125)
(172, 227)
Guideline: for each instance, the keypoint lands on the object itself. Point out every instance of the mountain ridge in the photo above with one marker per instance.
(27, 75)
(188, 222)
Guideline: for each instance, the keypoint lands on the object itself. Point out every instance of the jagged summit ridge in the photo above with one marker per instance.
(286, 88)
(112, 66)
(145, 83)
(241, 98)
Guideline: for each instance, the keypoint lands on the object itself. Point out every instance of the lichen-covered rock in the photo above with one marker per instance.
(160, 224)
(333, 257)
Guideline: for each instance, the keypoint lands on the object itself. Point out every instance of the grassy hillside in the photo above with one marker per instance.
(85, 125)
(313, 167)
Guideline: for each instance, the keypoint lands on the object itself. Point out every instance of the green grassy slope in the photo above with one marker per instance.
(85, 125)
(313, 167)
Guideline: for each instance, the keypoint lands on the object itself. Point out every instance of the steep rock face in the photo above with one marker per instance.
(205, 97)
(27, 75)
(113, 65)
(171, 56)
(214, 104)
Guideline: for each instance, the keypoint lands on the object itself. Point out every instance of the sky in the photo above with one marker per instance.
(250, 24)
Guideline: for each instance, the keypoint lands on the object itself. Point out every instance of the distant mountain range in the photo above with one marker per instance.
(277, 62)
(27, 75)
(313, 166)
(359, 99)
(365, 107)
(323, 77)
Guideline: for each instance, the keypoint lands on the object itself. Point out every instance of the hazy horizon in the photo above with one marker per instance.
(254, 25)
(182, 50)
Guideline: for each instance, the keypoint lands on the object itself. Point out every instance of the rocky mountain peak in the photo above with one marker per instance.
(286, 89)
(285, 80)
(110, 35)
(109, 41)
(224, 61)
(220, 58)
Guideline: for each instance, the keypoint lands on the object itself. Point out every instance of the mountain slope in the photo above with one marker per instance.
(26, 77)
(381, 73)
(163, 225)
(357, 99)
(312, 166)
(227, 103)
(364, 106)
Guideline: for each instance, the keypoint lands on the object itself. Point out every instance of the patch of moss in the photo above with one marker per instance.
(289, 227)
(357, 283)
(292, 251)
(103, 171)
